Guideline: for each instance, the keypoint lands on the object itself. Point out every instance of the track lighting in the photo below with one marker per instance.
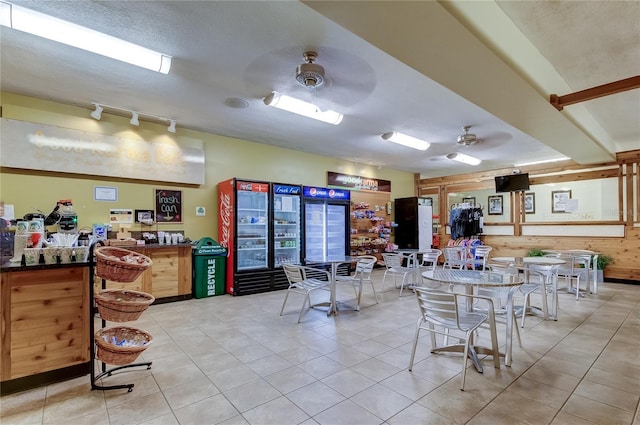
(134, 119)
(403, 139)
(303, 108)
(465, 159)
(97, 114)
(135, 116)
(41, 25)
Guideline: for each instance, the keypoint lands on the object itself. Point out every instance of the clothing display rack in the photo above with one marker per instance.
(465, 220)
(92, 314)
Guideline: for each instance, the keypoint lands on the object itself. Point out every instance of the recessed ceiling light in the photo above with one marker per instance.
(236, 102)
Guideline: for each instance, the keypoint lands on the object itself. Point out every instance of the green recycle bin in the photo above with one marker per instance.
(209, 264)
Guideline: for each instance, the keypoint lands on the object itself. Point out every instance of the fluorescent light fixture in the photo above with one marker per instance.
(300, 107)
(36, 23)
(97, 114)
(544, 161)
(134, 119)
(403, 139)
(172, 126)
(465, 159)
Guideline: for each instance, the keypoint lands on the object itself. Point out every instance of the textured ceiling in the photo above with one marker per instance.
(423, 68)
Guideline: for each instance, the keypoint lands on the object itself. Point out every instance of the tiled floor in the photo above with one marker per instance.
(236, 361)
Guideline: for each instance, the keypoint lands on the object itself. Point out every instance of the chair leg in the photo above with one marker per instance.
(415, 344)
(464, 360)
(358, 294)
(524, 309)
(373, 288)
(284, 302)
(304, 303)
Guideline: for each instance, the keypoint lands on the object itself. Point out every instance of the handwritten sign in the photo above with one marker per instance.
(168, 206)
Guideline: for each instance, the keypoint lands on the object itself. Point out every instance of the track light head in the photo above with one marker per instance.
(134, 118)
(97, 114)
(172, 126)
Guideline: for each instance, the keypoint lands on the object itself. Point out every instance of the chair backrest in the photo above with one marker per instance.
(455, 255)
(437, 307)
(392, 260)
(430, 258)
(364, 266)
(481, 255)
(546, 273)
(295, 274)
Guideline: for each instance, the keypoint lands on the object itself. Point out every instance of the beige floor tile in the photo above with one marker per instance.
(25, 401)
(315, 397)
(451, 404)
(543, 393)
(556, 379)
(375, 369)
(418, 415)
(492, 415)
(348, 382)
(409, 385)
(269, 364)
(608, 395)
(321, 367)
(166, 419)
(212, 410)
(185, 394)
(233, 377)
(177, 375)
(564, 418)
(290, 379)
(620, 381)
(595, 411)
(139, 410)
(250, 395)
(524, 408)
(279, 411)
(347, 413)
(347, 356)
(61, 408)
(381, 401)
(142, 387)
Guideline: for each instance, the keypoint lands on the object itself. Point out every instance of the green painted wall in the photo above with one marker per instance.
(225, 158)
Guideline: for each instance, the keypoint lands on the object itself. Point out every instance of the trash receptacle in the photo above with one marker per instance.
(209, 261)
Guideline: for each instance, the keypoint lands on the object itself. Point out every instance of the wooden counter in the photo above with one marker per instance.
(45, 313)
(168, 279)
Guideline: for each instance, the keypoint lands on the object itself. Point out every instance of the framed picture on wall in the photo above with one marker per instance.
(495, 205)
(559, 200)
(469, 200)
(529, 203)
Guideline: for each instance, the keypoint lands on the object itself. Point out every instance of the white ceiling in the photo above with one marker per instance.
(424, 68)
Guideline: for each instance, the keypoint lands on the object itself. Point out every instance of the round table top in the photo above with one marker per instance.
(570, 251)
(526, 261)
(472, 277)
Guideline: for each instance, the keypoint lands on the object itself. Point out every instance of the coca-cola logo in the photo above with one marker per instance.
(225, 217)
(245, 186)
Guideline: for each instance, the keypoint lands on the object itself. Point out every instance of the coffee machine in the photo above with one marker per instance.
(68, 222)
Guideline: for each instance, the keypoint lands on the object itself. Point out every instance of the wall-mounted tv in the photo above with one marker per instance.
(512, 182)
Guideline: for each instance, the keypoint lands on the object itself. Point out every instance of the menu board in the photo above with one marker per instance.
(168, 206)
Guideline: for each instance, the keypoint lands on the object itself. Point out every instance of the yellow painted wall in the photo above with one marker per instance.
(225, 158)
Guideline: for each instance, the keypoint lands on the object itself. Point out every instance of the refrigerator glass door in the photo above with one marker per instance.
(286, 229)
(314, 231)
(335, 230)
(253, 230)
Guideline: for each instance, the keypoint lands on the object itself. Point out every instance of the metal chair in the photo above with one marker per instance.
(455, 257)
(362, 275)
(300, 284)
(479, 256)
(576, 267)
(429, 262)
(441, 309)
(394, 267)
(540, 279)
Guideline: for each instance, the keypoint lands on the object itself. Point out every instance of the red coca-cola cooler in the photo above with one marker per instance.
(258, 233)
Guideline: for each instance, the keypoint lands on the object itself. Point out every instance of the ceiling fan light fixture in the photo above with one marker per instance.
(408, 141)
(467, 139)
(300, 107)
(42, 25)
(465, 159)
(309, 74)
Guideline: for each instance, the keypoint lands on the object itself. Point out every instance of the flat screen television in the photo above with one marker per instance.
(512, 182)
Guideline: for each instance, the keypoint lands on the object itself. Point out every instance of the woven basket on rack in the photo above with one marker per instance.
(118, 355)
(122, 305)
(119, 264)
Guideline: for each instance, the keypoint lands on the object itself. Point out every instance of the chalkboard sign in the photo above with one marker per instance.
(168, 206)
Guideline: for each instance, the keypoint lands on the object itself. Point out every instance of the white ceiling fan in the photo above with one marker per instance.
(467, 139)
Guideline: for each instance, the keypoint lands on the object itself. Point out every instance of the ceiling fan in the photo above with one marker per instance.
(467, 139)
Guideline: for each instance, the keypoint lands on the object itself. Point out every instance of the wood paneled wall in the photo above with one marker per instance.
(625, 251)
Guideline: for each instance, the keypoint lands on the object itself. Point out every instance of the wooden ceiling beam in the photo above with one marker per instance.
(559, 102)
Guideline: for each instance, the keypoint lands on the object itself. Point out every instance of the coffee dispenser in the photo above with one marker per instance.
(68, 222)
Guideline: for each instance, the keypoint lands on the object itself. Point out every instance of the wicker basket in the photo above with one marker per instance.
(122, 305)
(118, 355)
(119, 264)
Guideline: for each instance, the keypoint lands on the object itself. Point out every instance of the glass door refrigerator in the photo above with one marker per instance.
(326, 223)
(287, 219)
(243, 228)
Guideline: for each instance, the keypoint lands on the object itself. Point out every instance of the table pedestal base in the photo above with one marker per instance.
(473, 354)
